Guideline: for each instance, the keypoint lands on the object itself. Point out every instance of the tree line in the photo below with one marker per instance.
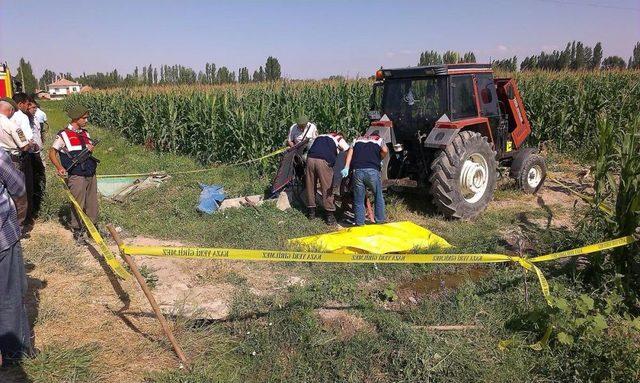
(575, 56)
(150, 75)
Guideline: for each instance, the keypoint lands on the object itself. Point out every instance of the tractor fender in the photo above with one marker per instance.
(519, 158)
(439, 138)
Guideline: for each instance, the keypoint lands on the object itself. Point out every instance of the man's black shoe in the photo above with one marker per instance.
(311, 213)
(80, 237)
(331, 219)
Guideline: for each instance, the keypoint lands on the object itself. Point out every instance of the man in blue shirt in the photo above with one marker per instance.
(365, 157)
(15, 334)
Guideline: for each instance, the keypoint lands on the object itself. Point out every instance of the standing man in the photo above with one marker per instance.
(41, 119)
(320, 161)
(67, 147)
(300, 131)
(15, 144)
(365, 158)
(15, 334)
(37, 165)
(21, 118)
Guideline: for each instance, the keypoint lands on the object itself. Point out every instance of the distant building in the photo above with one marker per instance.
(63, 87)
(41, 94)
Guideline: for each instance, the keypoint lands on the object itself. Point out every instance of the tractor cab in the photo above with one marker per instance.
(434, 117)
(452, 96)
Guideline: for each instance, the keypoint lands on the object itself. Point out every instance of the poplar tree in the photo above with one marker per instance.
(634, 61)
(26, 77)
(272, 69)
(450, 57)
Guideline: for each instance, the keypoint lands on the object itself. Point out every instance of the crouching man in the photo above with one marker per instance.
(300, 131)
(320, 161)
(65, 154)
(365, 158)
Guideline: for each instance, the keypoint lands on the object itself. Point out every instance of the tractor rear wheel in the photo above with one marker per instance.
(463, 176)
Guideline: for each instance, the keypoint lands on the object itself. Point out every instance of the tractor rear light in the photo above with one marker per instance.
(379, 75)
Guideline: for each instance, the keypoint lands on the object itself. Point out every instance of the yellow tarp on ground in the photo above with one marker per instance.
(392, 237)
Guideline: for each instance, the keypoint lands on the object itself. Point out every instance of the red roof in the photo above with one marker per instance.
(63, 82)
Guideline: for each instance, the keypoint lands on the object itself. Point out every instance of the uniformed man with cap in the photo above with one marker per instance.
(15, 143)
(301, 130)
(81, 175)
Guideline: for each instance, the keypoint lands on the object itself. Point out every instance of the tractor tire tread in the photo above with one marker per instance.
(445, 170)
(521, 176)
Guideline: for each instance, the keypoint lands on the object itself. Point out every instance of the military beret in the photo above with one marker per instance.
(10, 101)
(77, 111)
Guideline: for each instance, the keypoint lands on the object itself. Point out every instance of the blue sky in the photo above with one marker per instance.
(311, 39)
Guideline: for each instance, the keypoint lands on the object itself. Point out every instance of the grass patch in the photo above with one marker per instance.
(149, 275)
(58, 363)
(47, 251)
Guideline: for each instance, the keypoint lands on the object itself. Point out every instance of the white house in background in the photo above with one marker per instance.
(63, 87)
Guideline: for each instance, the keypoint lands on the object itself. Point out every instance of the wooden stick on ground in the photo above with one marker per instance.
(450, 327)
(147, 293)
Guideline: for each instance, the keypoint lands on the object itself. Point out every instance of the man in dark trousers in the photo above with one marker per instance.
(365, 158)
(320, 161)
(15, 334)
(66, 148)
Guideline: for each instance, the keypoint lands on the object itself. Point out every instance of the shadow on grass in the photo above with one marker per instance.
(416, 199)
(14, 374)
(122, 295)
(64, 214)
(203, 322)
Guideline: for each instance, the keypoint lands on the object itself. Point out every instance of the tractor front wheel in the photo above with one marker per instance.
(463, 176)
(530, 173)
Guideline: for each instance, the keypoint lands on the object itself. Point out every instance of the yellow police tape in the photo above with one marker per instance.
(300, 256)
(588, 199)
(102, 246)
(275, 153)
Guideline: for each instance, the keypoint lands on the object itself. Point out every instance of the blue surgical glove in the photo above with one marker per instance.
(344, 172)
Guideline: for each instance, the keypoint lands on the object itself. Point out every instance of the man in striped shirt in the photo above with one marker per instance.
(15, 334)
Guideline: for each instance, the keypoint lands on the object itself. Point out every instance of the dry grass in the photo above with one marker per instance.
(74, 307)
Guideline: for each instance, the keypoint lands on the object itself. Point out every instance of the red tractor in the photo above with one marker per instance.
(448, 128)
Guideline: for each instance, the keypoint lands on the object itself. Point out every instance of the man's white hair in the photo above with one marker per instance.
(5, 105)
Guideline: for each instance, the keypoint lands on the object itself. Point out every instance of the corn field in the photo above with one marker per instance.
(237, 122)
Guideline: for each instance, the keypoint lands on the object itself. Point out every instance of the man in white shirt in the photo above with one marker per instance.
(300, 131)
(21, 118)
(41, 118)
(37, 165)
(13, 141)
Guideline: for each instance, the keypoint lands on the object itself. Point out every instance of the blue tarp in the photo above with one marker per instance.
(210, 198)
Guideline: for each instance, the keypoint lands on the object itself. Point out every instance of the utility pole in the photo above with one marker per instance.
(22, 76)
